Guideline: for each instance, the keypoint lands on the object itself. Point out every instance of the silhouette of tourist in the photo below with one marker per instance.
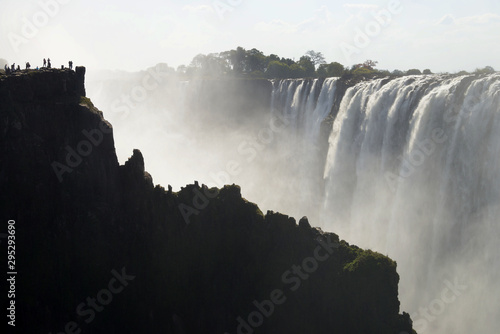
(44, 62)
(48, 63)
(28, 65)
(70, 63)
(18, 67)
(13, 67)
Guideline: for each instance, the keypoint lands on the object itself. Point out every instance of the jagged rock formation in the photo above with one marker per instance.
(102, 250)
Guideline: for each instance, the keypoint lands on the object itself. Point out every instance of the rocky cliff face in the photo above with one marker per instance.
(100, 249)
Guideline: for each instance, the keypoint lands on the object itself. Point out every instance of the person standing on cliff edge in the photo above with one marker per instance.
(70, 63)
(44, 62)
(48, 63)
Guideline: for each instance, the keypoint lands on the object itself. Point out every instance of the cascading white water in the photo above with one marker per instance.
(414, 172)
(322, 109)
(306, 103)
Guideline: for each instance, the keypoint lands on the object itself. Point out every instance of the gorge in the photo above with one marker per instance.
(405, 166)
(100, 249)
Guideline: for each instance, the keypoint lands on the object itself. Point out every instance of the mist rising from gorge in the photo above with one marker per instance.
(409, 167)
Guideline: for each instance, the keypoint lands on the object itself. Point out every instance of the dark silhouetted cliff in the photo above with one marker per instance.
(100, 249)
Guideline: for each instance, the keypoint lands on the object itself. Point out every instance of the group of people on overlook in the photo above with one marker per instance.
(46, 64)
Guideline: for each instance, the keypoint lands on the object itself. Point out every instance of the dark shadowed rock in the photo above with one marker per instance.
(81, 218)
(304, 222)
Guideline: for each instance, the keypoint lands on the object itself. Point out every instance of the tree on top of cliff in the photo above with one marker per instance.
(308, 65)
(413, 71)
(369, 65)
(254, 63)
(486, 70)
(333, 69)
(316, 57)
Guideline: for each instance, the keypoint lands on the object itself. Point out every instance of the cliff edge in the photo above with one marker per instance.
(100, 249)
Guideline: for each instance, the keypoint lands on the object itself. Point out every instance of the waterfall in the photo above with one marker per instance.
(306, 103)
(414, 172)
(411, 169)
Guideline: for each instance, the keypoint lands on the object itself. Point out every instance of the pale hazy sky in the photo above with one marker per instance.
(132, 35)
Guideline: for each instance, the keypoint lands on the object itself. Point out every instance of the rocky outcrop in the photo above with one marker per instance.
(100, 249)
